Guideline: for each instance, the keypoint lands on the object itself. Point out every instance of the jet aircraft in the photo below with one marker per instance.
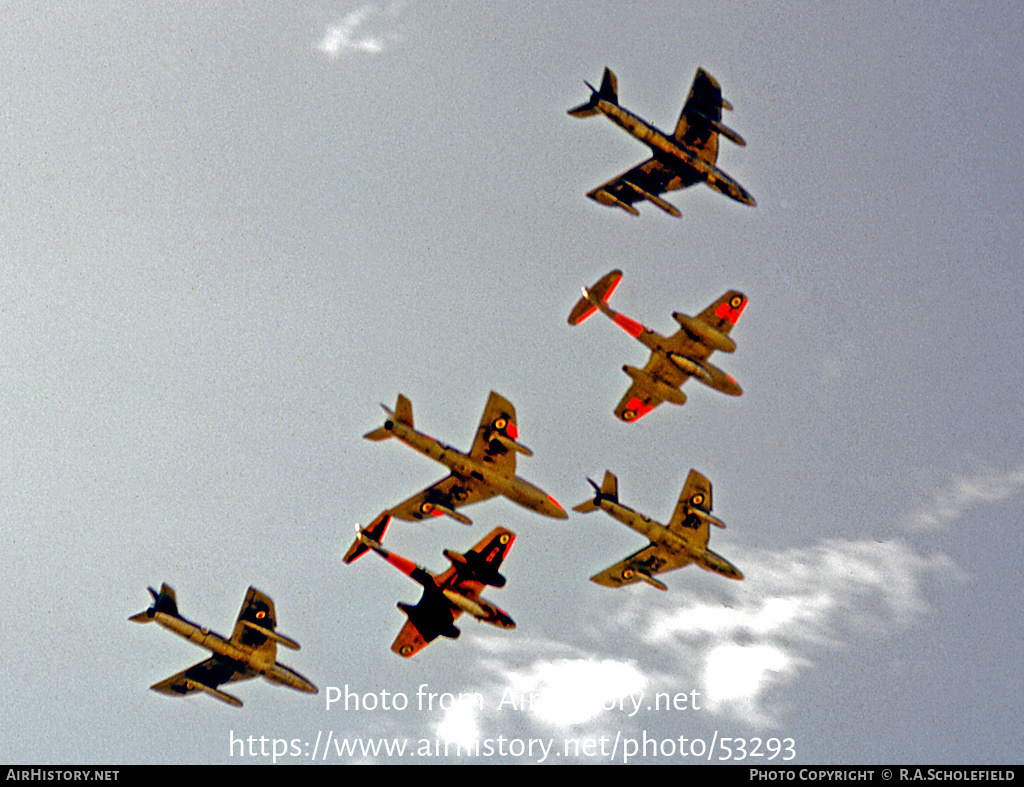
(448, 595)
(681, 159)
(674, 359)
(683, 541)
(251, 650)
(487, 470)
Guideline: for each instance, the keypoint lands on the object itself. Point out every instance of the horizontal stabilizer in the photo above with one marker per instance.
(372, 532)
(594, 297)
(609, 490)
(609, 92)
(584, 110)
(402, 414)
(164, 601)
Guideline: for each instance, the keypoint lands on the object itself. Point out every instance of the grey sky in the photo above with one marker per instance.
(227, 233)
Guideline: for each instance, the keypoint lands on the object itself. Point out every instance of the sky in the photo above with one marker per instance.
(228, 234)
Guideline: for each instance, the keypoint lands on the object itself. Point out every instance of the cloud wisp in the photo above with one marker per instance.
(734, 648)
(362, 31)
(949, 503)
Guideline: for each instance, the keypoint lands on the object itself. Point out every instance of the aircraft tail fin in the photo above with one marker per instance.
(164, 601)
(402, 414)
(609, 92)
(609, 490)
(372, 532)
(595, 297)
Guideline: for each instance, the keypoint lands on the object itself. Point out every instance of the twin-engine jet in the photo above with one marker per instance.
(683, 541)
(251, 651)
(674, 359)
(681, 159)
(448, 595)
(487, 470)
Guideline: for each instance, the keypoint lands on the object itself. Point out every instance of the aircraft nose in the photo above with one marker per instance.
(554, 509)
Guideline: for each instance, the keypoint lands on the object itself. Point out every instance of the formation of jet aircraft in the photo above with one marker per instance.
(682, 542)
(447, 595)
(684, 158)
(681, 159)
(674, 359)
(487, 470)
(251, 650)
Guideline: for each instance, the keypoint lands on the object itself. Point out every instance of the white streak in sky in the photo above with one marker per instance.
(350, 35)
(947, 505)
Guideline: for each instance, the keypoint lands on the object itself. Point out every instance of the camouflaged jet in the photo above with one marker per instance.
(251, 650)
(680, 160)
(448, 595)
(674, 359)
(487, 470)
(682, 542)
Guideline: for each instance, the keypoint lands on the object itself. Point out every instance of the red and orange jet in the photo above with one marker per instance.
(674, 359)
(447, 595)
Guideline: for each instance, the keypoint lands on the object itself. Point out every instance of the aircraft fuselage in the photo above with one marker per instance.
(659, 534)
(464, 466)
(703, 371)
(260, 662)
(480, 608)
(670, 150)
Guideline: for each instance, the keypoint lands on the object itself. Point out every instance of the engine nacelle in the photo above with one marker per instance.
(704, 333)
(707, 373)
(662, 390)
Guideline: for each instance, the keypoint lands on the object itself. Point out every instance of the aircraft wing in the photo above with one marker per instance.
(724, 312)
(431, 618)
(652, 177)
(696, 494)
(409, 641)
(657, 382)
(495, 441)
(692, 340)
(205, 676)
(257, 613)
(651, 560)
(479, 566)
(443, 497)
(700, 121)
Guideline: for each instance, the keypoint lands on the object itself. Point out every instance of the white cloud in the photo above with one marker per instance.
(351, 33)
(948, 504)
(459, 725)
(792, 603)
(567, 692)
(740, 674)
(733, 649)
